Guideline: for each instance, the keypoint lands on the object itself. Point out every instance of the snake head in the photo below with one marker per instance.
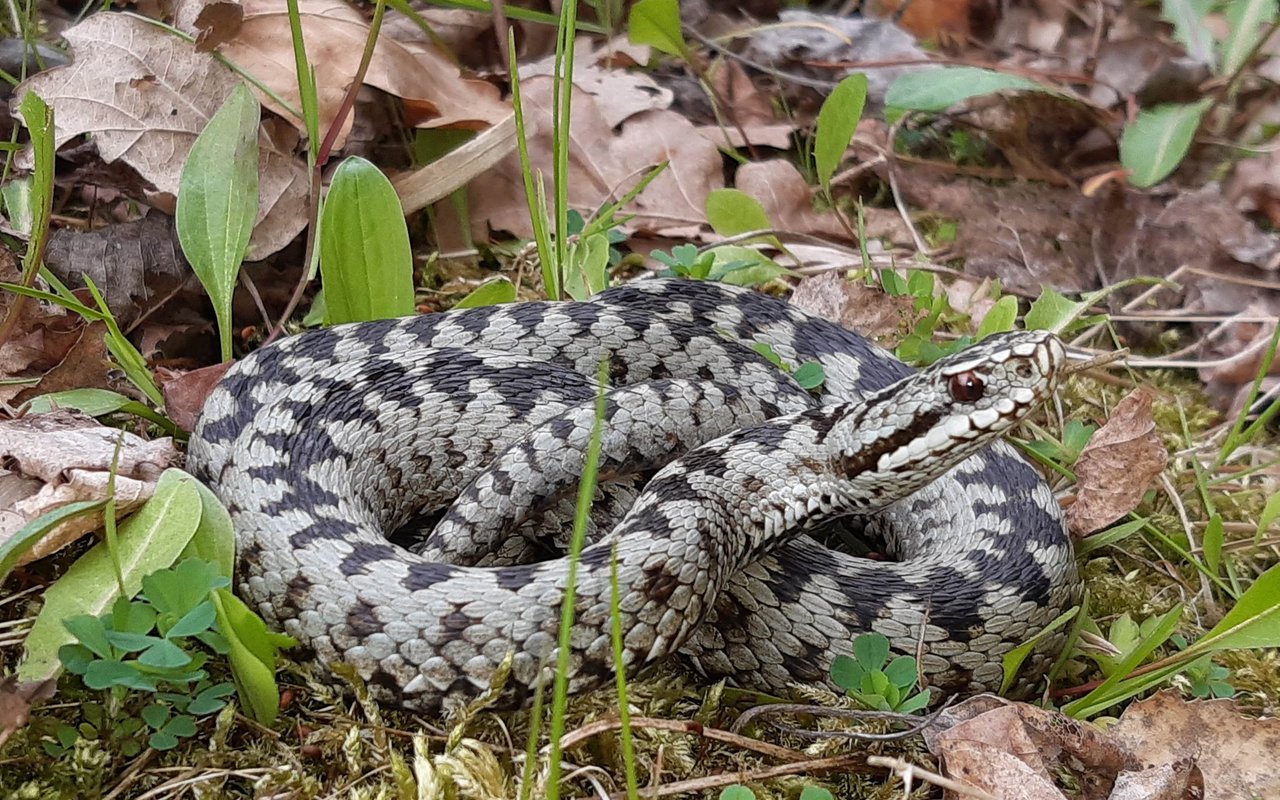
(912, 431)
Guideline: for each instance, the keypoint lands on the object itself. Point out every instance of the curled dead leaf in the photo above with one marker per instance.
(1117, 466)
(62, 457)
(853, 304)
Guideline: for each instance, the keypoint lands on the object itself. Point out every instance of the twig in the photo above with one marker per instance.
(918, 723)
(692, 728)
(852, 763)
(908, 771)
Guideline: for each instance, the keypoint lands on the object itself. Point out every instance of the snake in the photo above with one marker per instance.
(721, 482)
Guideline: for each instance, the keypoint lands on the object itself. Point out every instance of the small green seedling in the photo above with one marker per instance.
(149, 645)
(879, 684)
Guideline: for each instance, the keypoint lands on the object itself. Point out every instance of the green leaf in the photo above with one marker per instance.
(837, 121)
(588, 267)
(13, 548)
(131, 642)
(1254, 621)
(815, 793)
(181, 725)
(215, 539)
(810, 375)
(365, 258)
(218, 202)
(1189, 28)
(94, 402)
(736, 792)
(105, 674)
(149, 540)
(1000, 318)
(732, 212)
(657, 24)
(871, 650)
(176, 591)
(1270, 512)
(939, 89)
(1012, 660)
(902, 672)
(490, 293)
(161, 740)
(1248, 20)
(197, 620)
(742, 266)
(914, 703)
(1213, 539)
(253, 655)
(1107, 693)
(155, 715)
(90, 632)
(846, 673)
(1156, 141)
(1110, 536)
(211, 699)
(164, 654)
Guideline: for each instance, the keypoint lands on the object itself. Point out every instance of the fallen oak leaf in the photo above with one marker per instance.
(16, 700)
(1116, 467)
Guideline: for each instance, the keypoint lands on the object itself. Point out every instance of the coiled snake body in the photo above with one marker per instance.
(323, 444)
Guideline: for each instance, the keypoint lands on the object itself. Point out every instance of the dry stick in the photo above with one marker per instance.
(852, 763)
(918, 723)
(693, 728)
(907, 771)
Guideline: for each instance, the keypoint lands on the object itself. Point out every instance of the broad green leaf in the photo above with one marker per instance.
(215, 539)
(737, 792)
(13, 548)
(588, 270)
(657, 24)
(743, 266)
(837, 121)
(939, 89)
(846, 672)
(1155, 143)
(1000, 318)
(149, 540)
(871, 650)
(1248, 20)
(1012, 660)
(902, 672)
(914, 703)
(94, 402)
(1214, 533)
(90, 632)
(131, 642)
(732, 212)
(175, 592)
(1189, 28)
(197, 620)
(490, 293)
(218, 202)
(253, 655)
(105, 674)
(164, 655)
(366, 262)
(810, 375)
(815, 793)
(1254, 621)
(38, 117)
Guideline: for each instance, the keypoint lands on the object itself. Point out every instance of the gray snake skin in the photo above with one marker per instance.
(324, 444)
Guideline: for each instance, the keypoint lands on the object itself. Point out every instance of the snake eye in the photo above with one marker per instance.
(1023, 370)
(966, 387)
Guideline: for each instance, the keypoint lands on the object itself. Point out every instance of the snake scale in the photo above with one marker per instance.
(324, 444)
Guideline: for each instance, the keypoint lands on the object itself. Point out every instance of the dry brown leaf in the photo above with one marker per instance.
(16, 700)
(619, 93)
(86, 364)
(853, 304)
(604, 165)
(185, 392)
(63, 457)
(335, 34)
(1235, 752)
(144, 95)
(1117, 466)
(787, 198)
(1014, 750)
